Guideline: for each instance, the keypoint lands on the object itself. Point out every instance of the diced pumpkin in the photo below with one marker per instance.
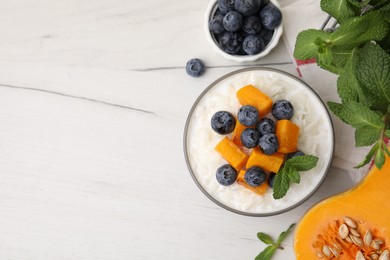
(269, 163)
(237, 133)
(260, 190)
(231, 153)
(250, 95)
(363, 209)
(287, 133)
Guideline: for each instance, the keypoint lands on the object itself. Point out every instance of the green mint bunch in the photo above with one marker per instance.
(270, 250)
(358, 52)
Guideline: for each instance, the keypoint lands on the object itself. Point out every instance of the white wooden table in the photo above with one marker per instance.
(93, 102)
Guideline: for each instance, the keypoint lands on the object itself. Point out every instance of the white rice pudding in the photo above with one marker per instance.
(315, 138)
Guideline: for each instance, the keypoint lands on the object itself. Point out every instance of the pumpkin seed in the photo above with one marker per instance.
(320, 255)
(354, 232)
(375, 245)
(359, 256)
(350, 222)
(343, 231)
(334, 252)
(357, 241)
(326, 251)
(349, 240)
(374, 256)
(380, 241)
(337, 246)
(368, 238)
(384, 255)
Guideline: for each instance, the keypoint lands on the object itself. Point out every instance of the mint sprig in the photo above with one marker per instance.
(290, 173)
(269, 251)
(358, 51)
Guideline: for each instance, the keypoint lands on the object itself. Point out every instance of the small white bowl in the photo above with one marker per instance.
(240, 58)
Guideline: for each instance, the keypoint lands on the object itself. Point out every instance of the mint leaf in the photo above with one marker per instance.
(265, 238)
(386, 150)
(359, 30)
(356, 115)
(284, 234)
(341, 10)
(380, 157)
(373, 73)
(366, 135)
(281, 184)
(301, 163)
(347, 84)
(267, 253)
(387, 133)
(294, 176)
(305, 46)
(369, 156)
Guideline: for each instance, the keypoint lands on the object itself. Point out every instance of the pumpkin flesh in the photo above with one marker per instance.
(368, 204)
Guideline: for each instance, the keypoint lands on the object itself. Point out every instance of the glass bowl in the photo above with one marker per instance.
(316, 138)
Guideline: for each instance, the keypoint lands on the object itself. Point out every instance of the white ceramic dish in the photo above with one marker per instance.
(212, 7)
(316, 138)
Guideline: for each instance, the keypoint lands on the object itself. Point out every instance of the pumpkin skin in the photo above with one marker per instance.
(368, 204)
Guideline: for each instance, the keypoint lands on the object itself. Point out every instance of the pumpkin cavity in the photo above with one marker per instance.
(347, 238)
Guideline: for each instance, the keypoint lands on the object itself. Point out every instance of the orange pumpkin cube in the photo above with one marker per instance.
(271, 163)
(236, 138)
(287, 133)
(250, 95)
(260, 190)
(231, 153)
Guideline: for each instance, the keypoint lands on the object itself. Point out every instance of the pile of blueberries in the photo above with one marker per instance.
(259, 133)
(244, 27)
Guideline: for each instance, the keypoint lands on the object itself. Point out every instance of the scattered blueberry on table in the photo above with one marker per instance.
(195, 68)
(244, 27)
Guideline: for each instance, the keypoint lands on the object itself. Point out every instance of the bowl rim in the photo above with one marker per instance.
(185, 137)
(241, 58)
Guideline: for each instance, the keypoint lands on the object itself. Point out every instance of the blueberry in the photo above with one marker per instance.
(253, 44)
(216, 24)
(230, 42)
(271, 17)
(265, 126)
(271, 178)
(225, 6)
(263, 4)
(255, 176)
(223, 122)
(226, 175)
(250, 138)
(195, 68)
(232, 21)
(251, 24)
(266, 35)
(294, 154)
(269, 143)
(282, 109)
(247, 7)
(248, 115)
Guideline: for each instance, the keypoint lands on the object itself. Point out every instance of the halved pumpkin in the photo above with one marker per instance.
(352, 225)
